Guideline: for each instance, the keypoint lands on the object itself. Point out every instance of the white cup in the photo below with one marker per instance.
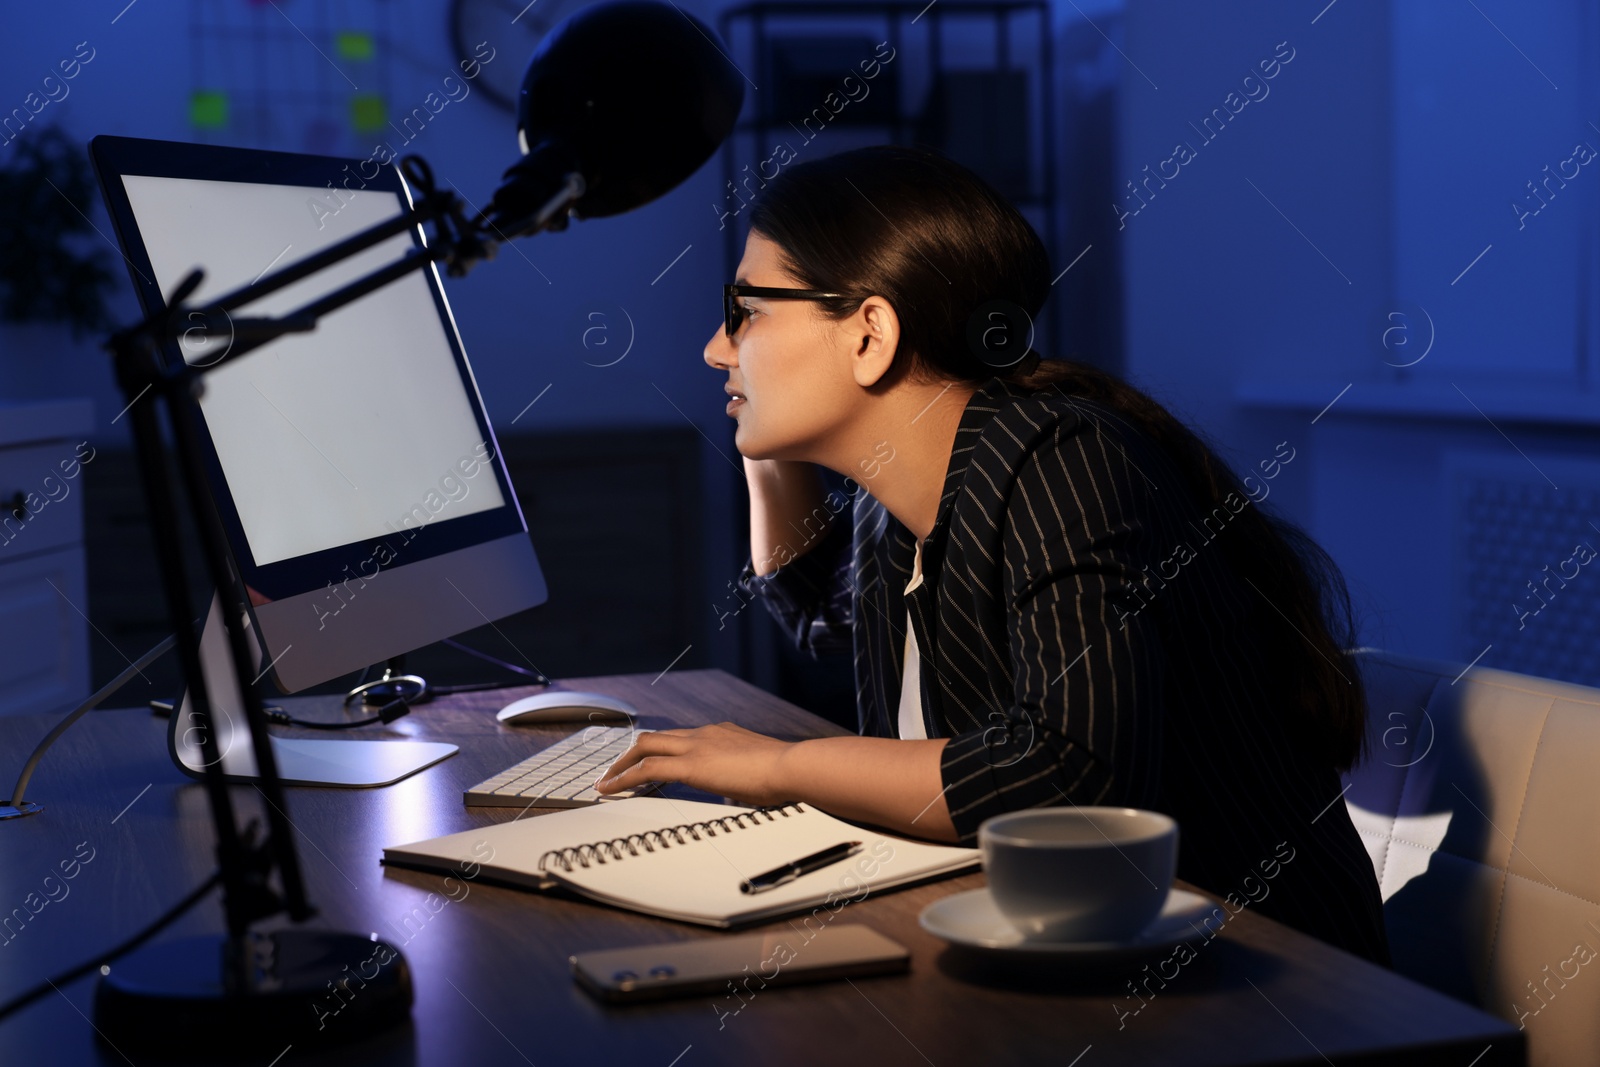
(1079, 874)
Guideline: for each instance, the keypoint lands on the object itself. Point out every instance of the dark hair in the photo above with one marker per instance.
(939, 244)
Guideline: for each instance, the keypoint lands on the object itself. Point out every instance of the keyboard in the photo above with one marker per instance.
(563, 775)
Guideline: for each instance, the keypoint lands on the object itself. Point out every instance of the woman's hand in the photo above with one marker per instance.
(880, 780)
(722, 758)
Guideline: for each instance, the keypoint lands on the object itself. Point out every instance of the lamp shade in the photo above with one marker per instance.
(632, 94)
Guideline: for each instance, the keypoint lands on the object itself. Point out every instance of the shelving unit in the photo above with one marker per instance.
(972, 78)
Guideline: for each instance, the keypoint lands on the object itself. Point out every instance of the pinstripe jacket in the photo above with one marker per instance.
(1082, 644)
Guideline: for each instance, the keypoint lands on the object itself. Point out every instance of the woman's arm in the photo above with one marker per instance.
(800, 543)
(881, 780)
(784, 495)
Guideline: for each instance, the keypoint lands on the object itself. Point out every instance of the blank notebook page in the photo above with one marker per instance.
(696, 880)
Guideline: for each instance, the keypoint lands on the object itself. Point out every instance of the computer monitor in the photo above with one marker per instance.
(354, 468)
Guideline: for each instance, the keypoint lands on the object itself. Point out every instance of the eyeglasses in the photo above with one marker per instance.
(733, 315)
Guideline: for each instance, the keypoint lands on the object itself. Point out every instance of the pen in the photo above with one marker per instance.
(804, 865)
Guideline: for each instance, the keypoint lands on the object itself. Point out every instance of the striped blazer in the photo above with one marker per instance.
(1064, 670)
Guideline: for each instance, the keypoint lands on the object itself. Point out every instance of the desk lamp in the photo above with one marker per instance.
(621, 103)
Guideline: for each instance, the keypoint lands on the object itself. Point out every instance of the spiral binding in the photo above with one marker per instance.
(599, 852)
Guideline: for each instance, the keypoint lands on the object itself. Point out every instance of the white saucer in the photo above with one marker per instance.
(972, 921)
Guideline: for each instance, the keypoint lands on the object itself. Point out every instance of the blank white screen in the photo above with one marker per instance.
(334, 436)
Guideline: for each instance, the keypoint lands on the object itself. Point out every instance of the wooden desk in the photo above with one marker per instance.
(492, 981)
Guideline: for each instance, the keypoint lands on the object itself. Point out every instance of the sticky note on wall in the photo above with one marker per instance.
(208, 109)
(368, 112)
(354, 45)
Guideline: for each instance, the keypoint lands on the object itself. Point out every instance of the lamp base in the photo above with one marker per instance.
(303, 987)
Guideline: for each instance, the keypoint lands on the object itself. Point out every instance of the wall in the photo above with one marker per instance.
(1342, 266)
(1269, 252)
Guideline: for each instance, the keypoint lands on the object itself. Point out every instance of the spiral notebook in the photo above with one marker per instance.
(684, 859)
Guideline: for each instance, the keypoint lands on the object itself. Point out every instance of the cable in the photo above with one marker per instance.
(536, 674)
(77, 713)
(469, 687)
(66, 977)
(386, 714)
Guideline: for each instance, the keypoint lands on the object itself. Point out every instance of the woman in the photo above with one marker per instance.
(1056, 593)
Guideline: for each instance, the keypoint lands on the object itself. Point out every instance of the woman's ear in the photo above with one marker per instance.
(874, 333)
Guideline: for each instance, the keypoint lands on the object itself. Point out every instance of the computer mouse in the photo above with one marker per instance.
(563, 705)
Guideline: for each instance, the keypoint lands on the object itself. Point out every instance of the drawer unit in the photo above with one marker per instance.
(44, 603)
(44, 652)
(41, 503)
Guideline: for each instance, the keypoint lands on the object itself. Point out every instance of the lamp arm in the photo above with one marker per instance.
(247, 335)
(431, 206)
(456, 241)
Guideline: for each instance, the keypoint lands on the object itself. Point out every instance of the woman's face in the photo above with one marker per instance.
(788, 362)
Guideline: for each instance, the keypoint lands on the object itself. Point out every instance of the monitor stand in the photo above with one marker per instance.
(301, 761)
(395, 684)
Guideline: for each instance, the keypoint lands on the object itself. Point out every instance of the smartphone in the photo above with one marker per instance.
(748, 961)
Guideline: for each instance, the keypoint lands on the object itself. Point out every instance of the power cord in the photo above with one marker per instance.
(537, 675)
(388, 713)
(18, 1003)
